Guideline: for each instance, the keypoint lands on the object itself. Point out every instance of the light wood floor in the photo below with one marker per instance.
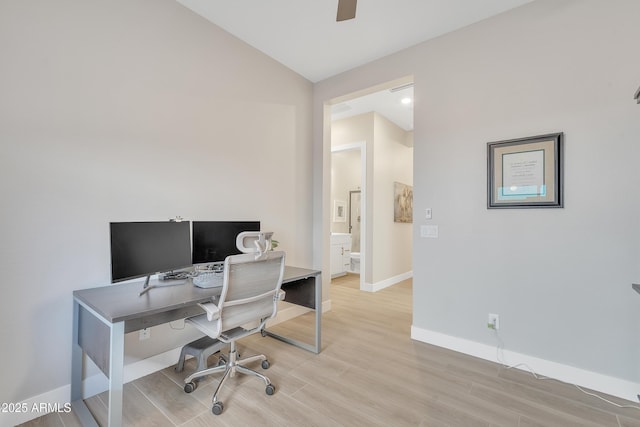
(370, 373)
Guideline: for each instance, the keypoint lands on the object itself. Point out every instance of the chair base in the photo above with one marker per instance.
(232, 366)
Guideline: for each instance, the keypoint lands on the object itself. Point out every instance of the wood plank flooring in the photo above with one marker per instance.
(370, 373)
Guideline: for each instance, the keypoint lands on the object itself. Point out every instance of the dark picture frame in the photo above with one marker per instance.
(526, 172)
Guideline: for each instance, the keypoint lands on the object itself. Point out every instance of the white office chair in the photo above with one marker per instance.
(251, 242)
(250, 295)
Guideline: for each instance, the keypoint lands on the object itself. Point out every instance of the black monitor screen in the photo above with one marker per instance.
(141, 249)
(215, 240)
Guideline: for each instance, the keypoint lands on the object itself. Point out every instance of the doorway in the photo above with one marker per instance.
(368, 117)
(348, 184)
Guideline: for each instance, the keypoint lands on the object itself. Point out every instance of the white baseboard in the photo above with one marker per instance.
(565, 373)
(99, 383)
(292, 310)
(37, 406)
(58, 399)
(287, 313)
(374, 287)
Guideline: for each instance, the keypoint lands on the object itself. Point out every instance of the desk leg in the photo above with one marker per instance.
(318, 283)
(78, 405)
(317, 340)
(76, 356)
(116, 374)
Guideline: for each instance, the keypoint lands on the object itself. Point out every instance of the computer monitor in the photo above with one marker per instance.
(140, 249)
(213, 241)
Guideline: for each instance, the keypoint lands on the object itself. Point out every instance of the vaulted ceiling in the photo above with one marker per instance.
(304, 35)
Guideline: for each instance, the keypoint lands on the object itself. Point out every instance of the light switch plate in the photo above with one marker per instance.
(427, 213)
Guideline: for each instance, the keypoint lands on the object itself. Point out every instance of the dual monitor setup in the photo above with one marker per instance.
(143, 249)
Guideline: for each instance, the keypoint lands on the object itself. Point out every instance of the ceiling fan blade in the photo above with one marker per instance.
(346, 10)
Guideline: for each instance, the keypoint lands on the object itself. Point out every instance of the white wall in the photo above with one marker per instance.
(392, 242)
(130, 110)
(559, 278)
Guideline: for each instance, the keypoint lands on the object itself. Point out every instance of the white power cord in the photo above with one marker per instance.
(505, 365)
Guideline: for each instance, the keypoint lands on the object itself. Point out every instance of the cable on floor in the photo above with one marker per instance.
(501, 360)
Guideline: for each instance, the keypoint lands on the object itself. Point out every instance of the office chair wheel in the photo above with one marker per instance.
(265, 364)
(270, 389)
(190, 387)
(263, 333)
(217, 408)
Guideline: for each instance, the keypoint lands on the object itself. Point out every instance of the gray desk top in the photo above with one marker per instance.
(120, 302)
(297, 273)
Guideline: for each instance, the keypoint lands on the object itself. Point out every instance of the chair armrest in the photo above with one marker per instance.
(213, 312)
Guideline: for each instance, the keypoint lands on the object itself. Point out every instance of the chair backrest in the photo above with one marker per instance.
(249, 242)
(250, 288)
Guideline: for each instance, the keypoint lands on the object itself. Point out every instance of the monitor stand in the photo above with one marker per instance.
(146, 288)
(159, 284)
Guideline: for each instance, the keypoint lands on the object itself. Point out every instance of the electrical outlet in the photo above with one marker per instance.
(493, 322)
(145, 334)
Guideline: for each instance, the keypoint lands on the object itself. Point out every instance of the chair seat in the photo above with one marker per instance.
(202, 323)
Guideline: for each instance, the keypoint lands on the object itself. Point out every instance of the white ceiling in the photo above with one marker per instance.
(304, 35)
(387, 103)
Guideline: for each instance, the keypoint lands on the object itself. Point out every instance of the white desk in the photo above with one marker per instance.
(102, 316)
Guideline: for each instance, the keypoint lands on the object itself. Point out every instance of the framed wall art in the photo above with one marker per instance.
(525, 172)
(339, 211)
(402, 202)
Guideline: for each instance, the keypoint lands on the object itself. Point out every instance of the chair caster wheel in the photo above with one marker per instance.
(270, 389)
(263, 333)
(217, 408)
(190, 387)
(265, 364)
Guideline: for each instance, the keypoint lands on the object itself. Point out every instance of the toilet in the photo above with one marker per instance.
(354, 265)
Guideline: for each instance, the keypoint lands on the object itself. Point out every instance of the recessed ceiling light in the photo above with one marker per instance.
(406, 101)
